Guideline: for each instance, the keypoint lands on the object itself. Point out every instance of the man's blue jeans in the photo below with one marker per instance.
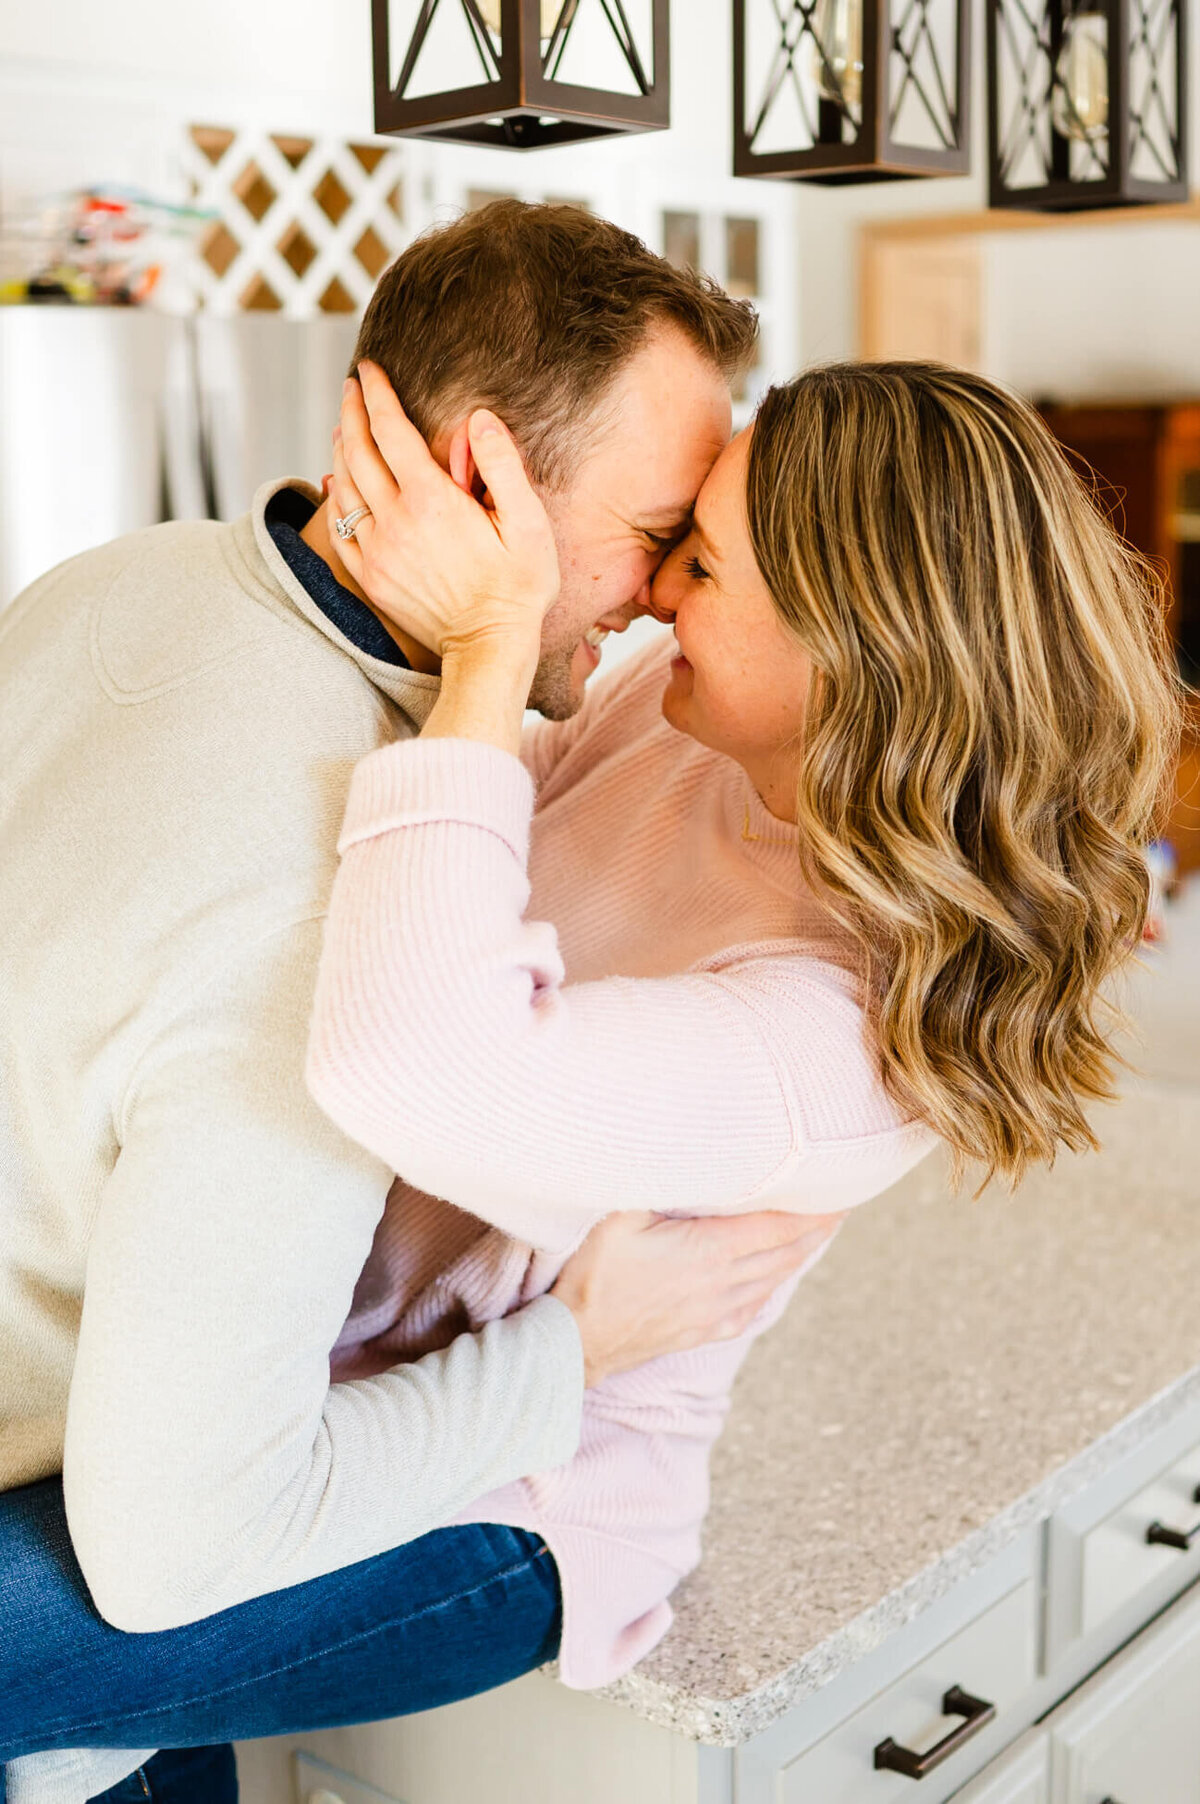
(444, 1617)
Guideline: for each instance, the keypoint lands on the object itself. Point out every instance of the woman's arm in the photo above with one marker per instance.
(445, 1039)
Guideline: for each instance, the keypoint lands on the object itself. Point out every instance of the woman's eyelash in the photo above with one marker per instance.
(695, 569)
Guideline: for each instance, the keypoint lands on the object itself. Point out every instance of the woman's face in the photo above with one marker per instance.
(740, 681)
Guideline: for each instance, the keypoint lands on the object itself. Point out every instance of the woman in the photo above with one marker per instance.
(898, 856)
(850, 873)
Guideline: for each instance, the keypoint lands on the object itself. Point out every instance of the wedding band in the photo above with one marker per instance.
(345, 528)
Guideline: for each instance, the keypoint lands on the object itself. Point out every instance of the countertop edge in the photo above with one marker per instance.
(727, 1722)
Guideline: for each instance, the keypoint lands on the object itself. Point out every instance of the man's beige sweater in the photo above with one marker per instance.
(180, 1227)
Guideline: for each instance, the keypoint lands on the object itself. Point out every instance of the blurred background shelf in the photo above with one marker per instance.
(1147, 461)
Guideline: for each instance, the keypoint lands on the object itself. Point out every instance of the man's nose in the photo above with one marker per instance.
(639, 607)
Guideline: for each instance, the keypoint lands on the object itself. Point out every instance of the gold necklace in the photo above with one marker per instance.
(761, 838)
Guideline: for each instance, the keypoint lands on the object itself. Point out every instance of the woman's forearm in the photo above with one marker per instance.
(485, 689)
(443, 1030)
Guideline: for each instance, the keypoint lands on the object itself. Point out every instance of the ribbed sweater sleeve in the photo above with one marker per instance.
(446, 1040)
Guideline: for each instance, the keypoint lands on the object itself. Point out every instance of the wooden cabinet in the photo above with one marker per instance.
(1147, 460)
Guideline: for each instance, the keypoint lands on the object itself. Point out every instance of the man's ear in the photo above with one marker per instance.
(461, 464)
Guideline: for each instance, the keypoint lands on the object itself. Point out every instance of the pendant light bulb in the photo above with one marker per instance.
(836, 52)
(1079, 108)
(490, 13)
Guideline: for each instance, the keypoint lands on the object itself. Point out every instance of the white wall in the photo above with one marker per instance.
(1095, 312)
(829, 220)
(296, 45)
(1105, 310)
(96, 92)
(91, 93)
(104, 94)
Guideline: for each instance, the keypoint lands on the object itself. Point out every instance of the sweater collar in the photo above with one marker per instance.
(413, 691)
(772, 848)
(771, 844)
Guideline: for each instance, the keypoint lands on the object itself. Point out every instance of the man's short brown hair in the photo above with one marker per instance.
(533, 311)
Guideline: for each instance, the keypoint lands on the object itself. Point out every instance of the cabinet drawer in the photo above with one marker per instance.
(1117, 1560)
(1132, 1731)
(1022, 1776)
(993, 1659)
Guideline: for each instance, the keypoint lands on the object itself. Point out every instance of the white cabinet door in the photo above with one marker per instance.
(1132, 1733)
(1022, 1776)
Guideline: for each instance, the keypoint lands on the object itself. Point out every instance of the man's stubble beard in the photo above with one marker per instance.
(552, 693)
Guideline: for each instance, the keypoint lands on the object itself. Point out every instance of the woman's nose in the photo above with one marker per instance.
(655, 598)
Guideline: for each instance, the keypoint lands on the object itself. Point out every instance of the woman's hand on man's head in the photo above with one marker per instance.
(452, 571)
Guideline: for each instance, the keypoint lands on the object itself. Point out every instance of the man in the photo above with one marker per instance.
(182, 1229)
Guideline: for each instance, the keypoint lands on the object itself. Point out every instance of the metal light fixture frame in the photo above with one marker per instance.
(522, 106)
(1126, 20)
(875, 155)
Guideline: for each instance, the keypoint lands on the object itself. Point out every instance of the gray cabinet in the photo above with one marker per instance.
(1022, 1776)
(1082, 1635)
(1132, 1733)
(1101, 1561)
(992, 1660)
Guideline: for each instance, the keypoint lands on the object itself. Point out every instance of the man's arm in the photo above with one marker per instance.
(207, 1458)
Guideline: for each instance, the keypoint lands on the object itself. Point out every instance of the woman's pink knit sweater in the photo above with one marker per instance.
(707, 1055)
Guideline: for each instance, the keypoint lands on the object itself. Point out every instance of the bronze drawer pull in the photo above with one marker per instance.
(1159, 1535)
(956, 1702)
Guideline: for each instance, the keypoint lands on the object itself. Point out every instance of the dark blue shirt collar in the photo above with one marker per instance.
(288, 513)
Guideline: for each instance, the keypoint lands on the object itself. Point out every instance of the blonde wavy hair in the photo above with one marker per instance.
(990, 728)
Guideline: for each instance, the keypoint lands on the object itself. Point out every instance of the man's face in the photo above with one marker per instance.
(667, 419)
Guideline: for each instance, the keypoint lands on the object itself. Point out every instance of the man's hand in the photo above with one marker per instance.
(453, 572)
(642, 1285)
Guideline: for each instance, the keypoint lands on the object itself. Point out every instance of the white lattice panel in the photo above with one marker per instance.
(304, 225)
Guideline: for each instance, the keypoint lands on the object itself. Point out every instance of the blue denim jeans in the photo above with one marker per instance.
(179, 1776)
(444, 1617)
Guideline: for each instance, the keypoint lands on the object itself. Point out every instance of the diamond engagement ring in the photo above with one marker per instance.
(345, 528)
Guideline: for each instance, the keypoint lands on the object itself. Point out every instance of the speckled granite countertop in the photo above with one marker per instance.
(950, 1372)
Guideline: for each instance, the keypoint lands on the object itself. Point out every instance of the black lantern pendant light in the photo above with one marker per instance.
(850, 90)
(520, 73)
(1087, 102)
